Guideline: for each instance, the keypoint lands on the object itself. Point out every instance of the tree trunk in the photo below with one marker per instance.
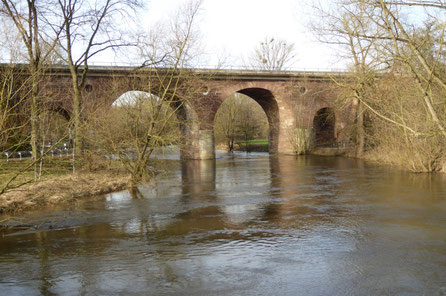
(360, 134)
(76, 114)
(34, 117)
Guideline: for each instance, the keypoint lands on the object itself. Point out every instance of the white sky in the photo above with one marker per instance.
(232, 28)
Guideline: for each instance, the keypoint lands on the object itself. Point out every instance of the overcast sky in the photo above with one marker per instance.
(232, 28)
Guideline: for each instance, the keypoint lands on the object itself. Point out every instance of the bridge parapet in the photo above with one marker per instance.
(209, 73)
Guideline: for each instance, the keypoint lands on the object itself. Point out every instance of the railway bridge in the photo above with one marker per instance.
(295, 102)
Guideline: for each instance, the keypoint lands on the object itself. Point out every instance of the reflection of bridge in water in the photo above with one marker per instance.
(243, 217)
(196, 197)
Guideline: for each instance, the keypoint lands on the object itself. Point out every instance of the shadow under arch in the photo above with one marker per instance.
(55, 127)
(269, 105)
(60, 111)
(324, 127)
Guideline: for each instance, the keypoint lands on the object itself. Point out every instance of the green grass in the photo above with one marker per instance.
(253, 142)
(50, 167)
(253, 146)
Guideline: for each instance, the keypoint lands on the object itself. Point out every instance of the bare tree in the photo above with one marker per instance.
(13, 119)
(87, 28)
(251, 122)
(272, 54)
(14, 130)
(14, 124)
(389, 52)
(344, 27)
(225, 123)
(239, 118)
(27, 18)
(416, 52)
(424, 71)
(300, 138)
(147, 119)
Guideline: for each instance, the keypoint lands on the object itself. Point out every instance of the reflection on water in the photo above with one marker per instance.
(249, 224)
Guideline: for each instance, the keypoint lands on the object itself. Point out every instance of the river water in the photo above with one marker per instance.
(248, 224)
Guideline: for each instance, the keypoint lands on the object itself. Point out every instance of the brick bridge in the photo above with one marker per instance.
(293, 102)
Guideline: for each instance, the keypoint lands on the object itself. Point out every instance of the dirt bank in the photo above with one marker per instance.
(62, 189)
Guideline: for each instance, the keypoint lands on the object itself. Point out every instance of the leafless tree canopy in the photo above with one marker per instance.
(272, 54)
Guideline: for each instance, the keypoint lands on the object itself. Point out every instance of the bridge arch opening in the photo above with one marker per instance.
(324, 127)
(248, 120)
(138, 120)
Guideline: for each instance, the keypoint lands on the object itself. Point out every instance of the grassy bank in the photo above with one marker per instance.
(58, 184)
(51, 167)
(60, 189)
(253, 146)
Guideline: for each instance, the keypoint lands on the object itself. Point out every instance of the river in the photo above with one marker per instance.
(247, 224)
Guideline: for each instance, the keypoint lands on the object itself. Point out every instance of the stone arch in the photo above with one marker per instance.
(242, 110)
(265, 98)
(267, 101)
(324, 122)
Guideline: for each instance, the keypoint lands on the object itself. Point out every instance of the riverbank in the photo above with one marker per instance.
(247, 146)
(61, 189)
(404, 163)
